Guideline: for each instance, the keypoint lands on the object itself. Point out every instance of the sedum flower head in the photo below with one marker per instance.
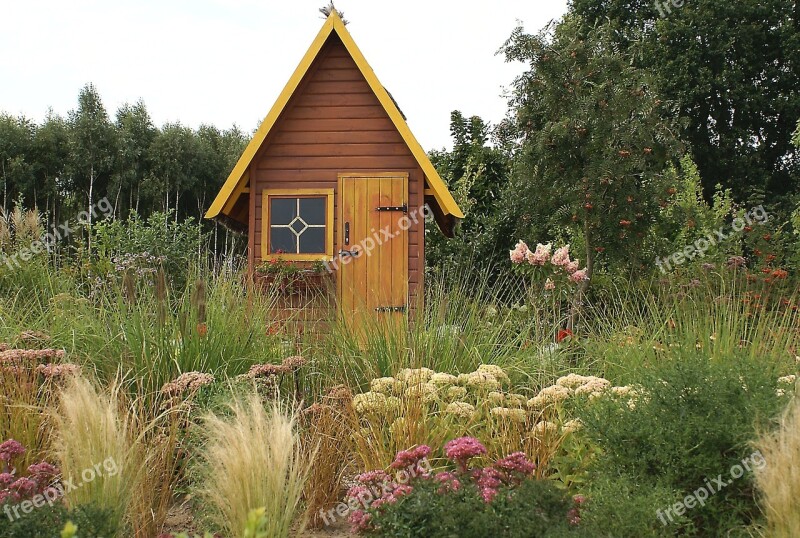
(514, 415)
(460, 409)
(384, 385)
(455, 393)
(369, 403)
(443, 379)
(494, 370)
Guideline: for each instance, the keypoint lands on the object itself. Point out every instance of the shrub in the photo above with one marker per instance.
(502, 499)
(692, 421)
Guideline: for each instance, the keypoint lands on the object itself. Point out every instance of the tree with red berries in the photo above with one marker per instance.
(596, 142)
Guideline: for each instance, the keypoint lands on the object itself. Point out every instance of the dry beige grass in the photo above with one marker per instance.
(779, 480)
(123, 460)
(252, 460)
(94, 438)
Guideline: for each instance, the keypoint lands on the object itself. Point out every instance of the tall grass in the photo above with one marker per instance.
(251, 460)
(89, 430)
(779, 480)
(106, 445)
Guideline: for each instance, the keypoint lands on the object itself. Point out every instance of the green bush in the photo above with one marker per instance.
(692, 421)
(534, 509)
(47, 522)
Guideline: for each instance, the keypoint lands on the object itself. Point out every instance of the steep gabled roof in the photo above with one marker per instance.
(235, 184)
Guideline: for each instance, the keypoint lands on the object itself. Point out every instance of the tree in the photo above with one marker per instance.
(595, 141)
(135, 133)
(733, 68)
(92, 147)
(477, 174)
(51, 154)
(16, 136)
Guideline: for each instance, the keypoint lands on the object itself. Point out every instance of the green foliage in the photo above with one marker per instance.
(49, 520)
(596, 140)
(476, 174)
(692, 421)
(536, 508)
(739, 125)
(176, 245)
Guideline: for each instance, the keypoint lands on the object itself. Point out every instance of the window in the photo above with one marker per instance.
(298, 224)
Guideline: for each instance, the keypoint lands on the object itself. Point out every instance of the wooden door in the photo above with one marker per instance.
(372, 256)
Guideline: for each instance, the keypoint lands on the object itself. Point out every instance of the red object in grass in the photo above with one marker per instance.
(202, 330)
(562, 334)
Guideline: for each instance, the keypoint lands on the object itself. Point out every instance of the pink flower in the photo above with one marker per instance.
(359, 520)
(24, 487)
(409, 459)
(6, 479)
(373, 477)
(579, 276)
(541, 255)
(43, 472)
(11, 449)
(518, 463)
(488, 481)
(561, 256)
(549, 285)
(518, 254)
(572, 266)
(463, 449)
(448, 480)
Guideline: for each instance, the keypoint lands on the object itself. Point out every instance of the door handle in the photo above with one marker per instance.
(346, 233)
(351, 253)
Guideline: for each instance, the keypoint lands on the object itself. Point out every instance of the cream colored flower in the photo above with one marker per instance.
(443, 379)
(572, 426)
(496, 398)
(572, 381)
(384, 385)
(623, 392)
(545, 428)
(515, 415)
(494, 370)
(780, 392)
(462, 379)
(414, 376)
(787, 379)
(460, 409)
(426, 391)
(555, 393)
(394, 405)
(369, 403)
(455, 393)
(483, 380)
(515, 400)
(595, 385)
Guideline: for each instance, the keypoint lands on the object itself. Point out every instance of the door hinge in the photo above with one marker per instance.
(403, 208)
(390, 308)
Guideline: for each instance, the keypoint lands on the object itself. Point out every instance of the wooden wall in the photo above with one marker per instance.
(333, 124)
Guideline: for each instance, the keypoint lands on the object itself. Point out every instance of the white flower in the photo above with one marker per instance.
(460, 409)
(384, 385)
(494, 370)
(544, 428)
(369, 402)
(515, 415)
(787, 379)
(455, 393)
(443, 379)
(483, 380)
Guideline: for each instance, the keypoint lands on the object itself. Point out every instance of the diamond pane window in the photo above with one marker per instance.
(297, 225)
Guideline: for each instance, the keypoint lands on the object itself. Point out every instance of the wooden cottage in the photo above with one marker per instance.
(334, 175)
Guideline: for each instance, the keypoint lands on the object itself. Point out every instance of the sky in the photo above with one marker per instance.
(224, 62)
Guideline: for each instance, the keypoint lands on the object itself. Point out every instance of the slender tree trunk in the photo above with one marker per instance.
(91, 199)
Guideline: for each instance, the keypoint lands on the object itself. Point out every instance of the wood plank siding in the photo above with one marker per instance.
(334, 124)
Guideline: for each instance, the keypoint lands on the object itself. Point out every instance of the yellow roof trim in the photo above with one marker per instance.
(334, 24)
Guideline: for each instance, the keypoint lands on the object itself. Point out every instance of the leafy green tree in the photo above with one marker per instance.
(51, 154)
(476, 173)
(733, 68)
(175, 153)
(16, 136)
(92, 148)
(596, 141)
(135, 133)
